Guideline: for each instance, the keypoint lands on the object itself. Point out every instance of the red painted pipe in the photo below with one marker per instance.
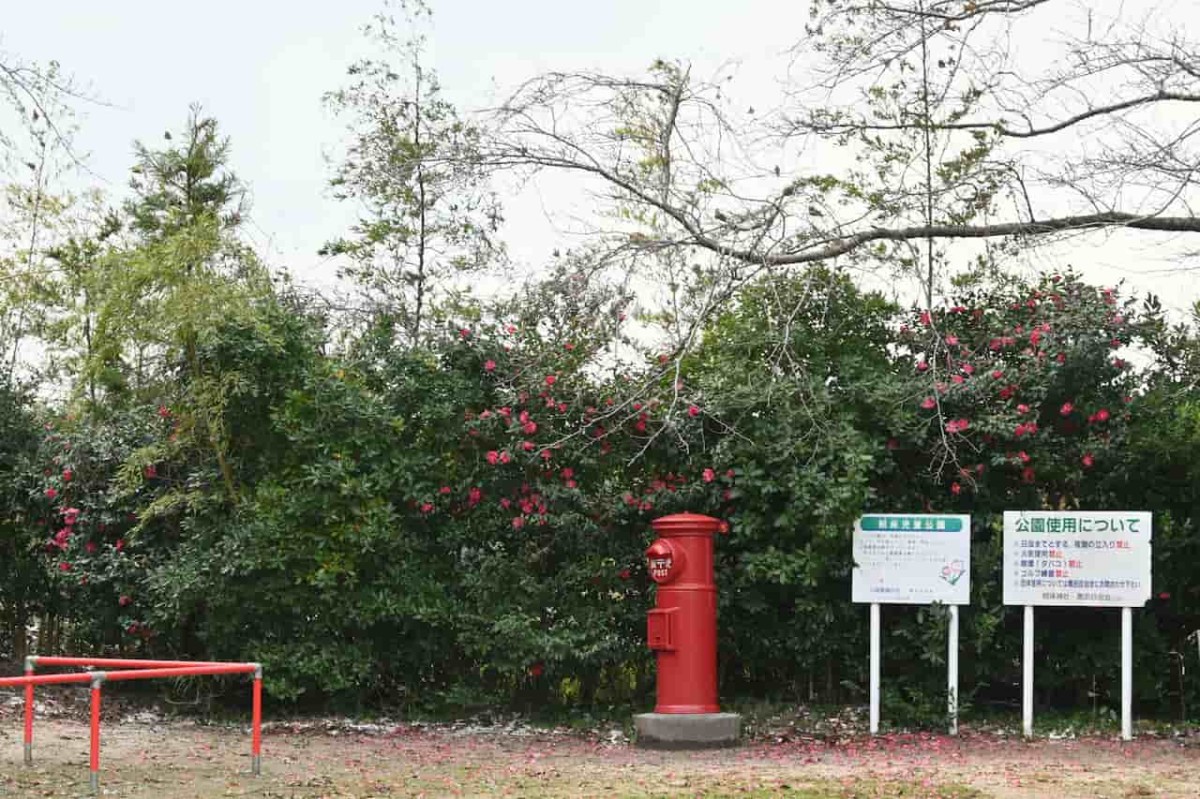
(45, 679)
(95, 776)
(128, 663)
(193, 671)
(28, 717)
(256, 727)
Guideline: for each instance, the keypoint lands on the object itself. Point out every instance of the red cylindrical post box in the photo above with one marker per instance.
(682, 628)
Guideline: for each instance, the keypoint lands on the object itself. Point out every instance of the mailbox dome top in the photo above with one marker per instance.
(688, 524)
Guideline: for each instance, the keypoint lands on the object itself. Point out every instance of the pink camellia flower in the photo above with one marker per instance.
(444, 490)
(1035, 337)
(1164, 596)
(968, 369)
(929, 403)
(505, 457)
(51, 493)
(1101, 415)
(64, 566)
(693, 411)
(151, 472)
(551, 380)
(568, 346)
(529, 428)
(1022, 408)
(958, 379)
(124, 601)
(922, 366)
(567, 473)
(1061, 357)
(474, 496)
(528, 446)
(426, 507)
(570, 484)
(646, 506)
(1066, 409)
(546, 454)
(464, 332)
(926, 319)
(506, 503)
(70, 516)
(952, 340)
(510, 329)
(1118, 363)
(1087, 460)
(493, 457)
(67, 475)
(955, 489)
(957, 425)
(90, 546)
(997, 374)
(523, 417)
(1024, 456)
(489, 366)
(958, 309)
(120, 545)
(163, 411)
(518, 522)
(708, 475)
(485, 414)
(1028, 475)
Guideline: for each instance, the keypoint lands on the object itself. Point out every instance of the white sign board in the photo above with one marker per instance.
(1077, 558)
(912, 559)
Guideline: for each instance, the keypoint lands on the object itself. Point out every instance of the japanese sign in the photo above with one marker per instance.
(1080, 558)
(912, 559)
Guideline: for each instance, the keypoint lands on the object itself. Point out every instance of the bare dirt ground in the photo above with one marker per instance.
(169, 760)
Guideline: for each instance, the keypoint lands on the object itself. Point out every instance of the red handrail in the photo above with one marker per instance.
(133, 670)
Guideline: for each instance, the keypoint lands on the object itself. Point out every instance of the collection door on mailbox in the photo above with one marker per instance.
(682, 629)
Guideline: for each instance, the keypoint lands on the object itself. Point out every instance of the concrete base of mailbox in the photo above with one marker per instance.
(687, 730)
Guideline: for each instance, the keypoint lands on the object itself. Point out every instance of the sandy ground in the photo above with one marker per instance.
(168, 760)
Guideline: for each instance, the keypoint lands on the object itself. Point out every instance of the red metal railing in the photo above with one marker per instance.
(129, 669)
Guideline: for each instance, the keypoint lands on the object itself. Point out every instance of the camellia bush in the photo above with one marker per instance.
(460, 525)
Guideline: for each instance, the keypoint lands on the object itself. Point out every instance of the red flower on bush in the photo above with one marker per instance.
(922, 366)
(120, 544)
(1022, 408)
(64, 566)
(1028, 474)
(955, 489)
(51, 493)
(693, 411)
(529, 428)
(957, 425)
(952, 340)
(708, 475)
(1066, 409)
(67, 475)
(489, 366)
(1087, 460)
(624, 574)
(518, 522)
(551, 380)
(1101, 415)
(505, 457)
(444, 490)
(493, 457)
(528, 446)
(1024, 456)
(536, 670)
(426, 507)
(70, 516)
(1164, 596)
(163, 411)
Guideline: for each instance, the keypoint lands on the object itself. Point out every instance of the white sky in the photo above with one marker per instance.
(261, 66)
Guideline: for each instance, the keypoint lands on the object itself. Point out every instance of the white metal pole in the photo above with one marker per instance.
(952, 669)
(1126, 674)
(874, 668)
(1027, 683)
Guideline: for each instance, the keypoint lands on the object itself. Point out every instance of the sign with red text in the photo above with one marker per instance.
(912, 559)
(1077, 558)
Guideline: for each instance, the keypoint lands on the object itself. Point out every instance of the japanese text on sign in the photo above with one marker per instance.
(912, 559)
(1081, 558)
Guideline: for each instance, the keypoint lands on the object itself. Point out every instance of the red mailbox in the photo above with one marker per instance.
(682, 629)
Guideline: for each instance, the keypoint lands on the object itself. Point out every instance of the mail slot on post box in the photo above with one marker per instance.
(682, 629)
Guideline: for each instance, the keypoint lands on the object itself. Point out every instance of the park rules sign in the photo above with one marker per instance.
(912, 559)
(1077, 558)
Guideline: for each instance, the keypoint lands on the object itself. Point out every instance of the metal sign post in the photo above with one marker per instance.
(1078, 559)
(874, 668)
(912, 559)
